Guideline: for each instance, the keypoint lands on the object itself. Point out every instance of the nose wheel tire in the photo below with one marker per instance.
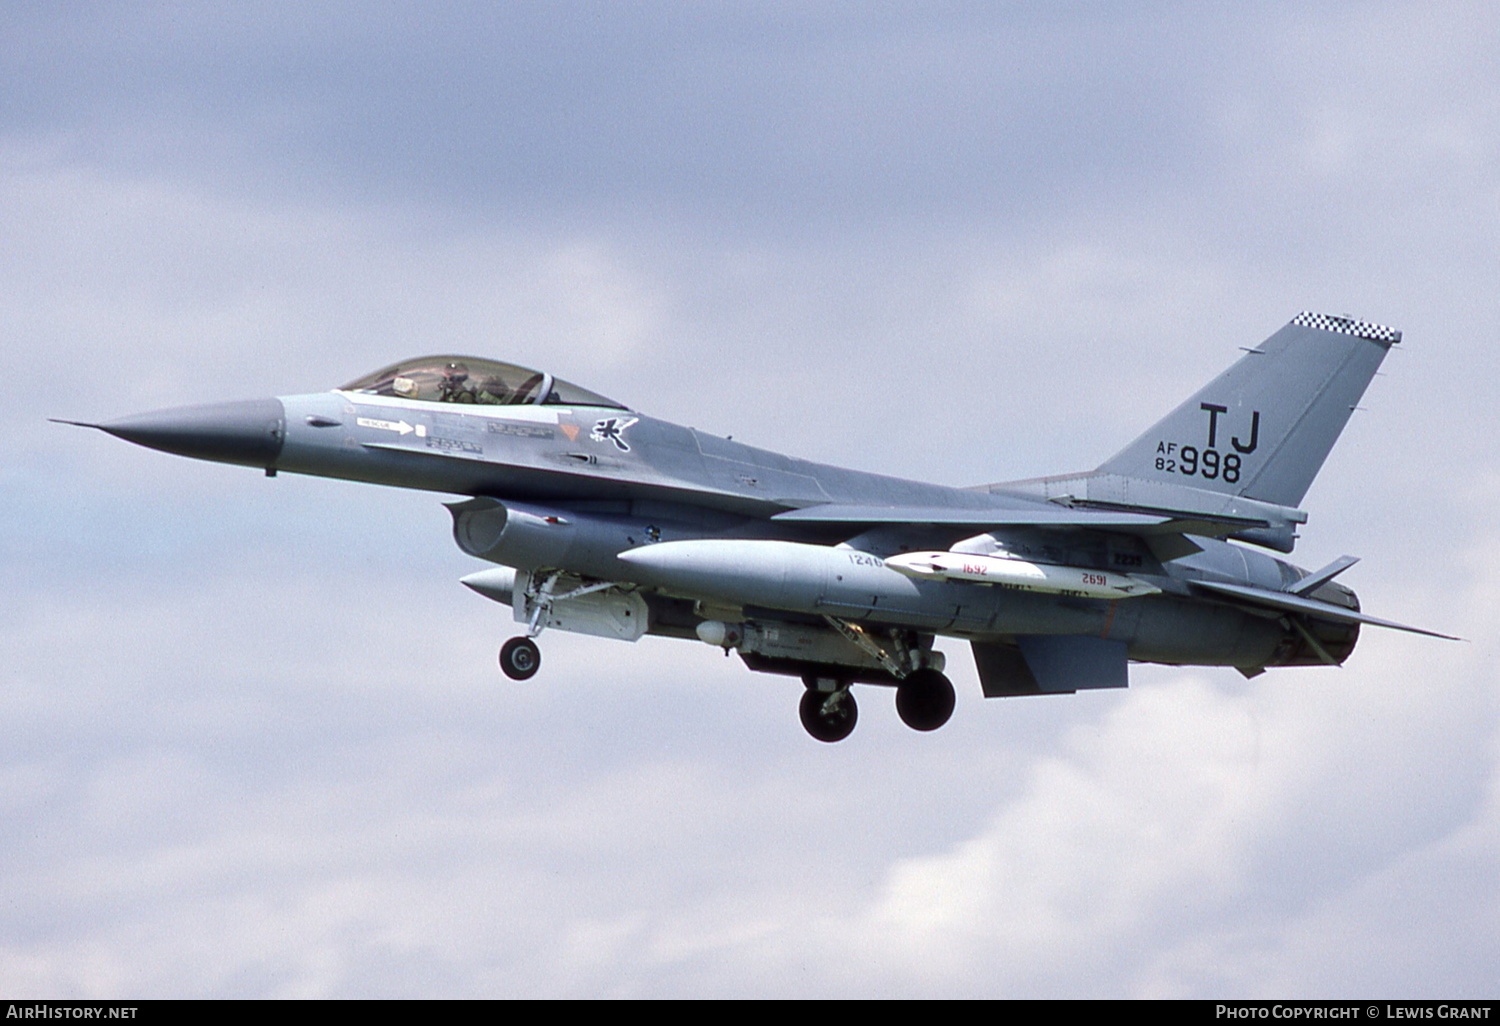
(520, 658)
(924, 700)
(828, 716)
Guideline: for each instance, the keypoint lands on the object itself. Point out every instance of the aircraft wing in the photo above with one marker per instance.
(831, 513)
(1040, 515)
(1291, 603)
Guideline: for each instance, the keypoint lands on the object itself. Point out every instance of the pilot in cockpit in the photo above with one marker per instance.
(454, 388)
(446, 379)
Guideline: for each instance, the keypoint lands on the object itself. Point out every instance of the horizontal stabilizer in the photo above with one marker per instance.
(1291, 603)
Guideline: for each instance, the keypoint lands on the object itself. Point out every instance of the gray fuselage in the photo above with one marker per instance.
(625, 480)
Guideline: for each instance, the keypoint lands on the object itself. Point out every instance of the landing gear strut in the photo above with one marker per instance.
(828, 715)
(520, 658)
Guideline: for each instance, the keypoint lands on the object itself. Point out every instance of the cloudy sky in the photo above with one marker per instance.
(253, 741)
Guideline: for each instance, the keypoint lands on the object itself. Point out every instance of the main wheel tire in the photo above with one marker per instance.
(520, 658)
(834, 725)
(924, 700)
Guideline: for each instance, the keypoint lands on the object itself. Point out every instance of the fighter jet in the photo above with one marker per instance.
(602, 520)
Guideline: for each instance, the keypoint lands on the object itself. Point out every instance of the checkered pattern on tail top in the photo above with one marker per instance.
(1347, 326)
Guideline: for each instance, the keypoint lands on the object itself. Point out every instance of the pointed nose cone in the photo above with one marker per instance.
(249, 433)
(498, 583)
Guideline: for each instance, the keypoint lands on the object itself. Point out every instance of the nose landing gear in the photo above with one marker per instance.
(520, 658)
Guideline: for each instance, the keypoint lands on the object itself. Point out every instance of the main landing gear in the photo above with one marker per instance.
(924, 701)
(520, 658)
(828, 715)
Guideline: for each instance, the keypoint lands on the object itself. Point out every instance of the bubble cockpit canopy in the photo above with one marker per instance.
(468, 379)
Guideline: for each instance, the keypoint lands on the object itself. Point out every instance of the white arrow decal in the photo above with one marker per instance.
(401, 427)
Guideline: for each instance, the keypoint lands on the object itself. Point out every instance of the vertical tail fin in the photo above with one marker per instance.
(1263, 428)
